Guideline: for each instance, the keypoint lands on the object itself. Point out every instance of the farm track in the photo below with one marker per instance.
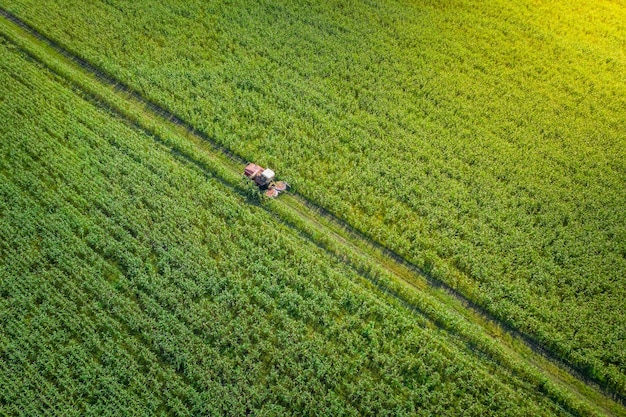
(515, 351)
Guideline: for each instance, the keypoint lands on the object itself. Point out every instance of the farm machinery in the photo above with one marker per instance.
(264, 179)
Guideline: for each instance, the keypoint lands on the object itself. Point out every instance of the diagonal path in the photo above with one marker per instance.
(384, 269)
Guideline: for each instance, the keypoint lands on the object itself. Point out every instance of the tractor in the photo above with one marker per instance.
(264, 179)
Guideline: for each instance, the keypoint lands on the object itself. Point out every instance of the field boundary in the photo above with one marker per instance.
(320, 221)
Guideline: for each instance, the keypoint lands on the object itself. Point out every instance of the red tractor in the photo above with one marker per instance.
(264, 179)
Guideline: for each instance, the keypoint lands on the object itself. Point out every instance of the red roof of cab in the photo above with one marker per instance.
(252, 170)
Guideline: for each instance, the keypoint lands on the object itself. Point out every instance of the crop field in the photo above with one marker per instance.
(484, 145)
(135, 283)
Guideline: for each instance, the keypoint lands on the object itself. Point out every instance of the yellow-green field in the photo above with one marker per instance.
(485, 144)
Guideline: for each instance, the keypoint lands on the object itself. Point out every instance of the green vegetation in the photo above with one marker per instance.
(135, 281)
(483, 142)
(140, 273)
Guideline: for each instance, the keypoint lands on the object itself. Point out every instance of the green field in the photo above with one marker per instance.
(483, 143)
(136, 283)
